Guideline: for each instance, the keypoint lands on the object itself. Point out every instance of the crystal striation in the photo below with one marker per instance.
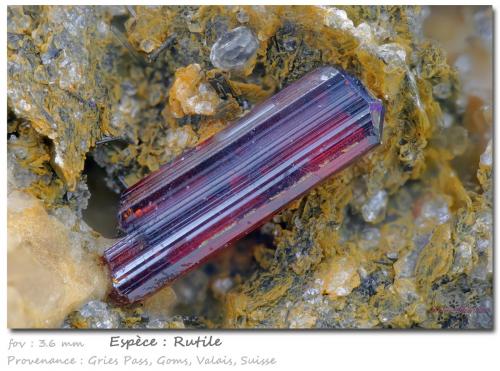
(228, 185)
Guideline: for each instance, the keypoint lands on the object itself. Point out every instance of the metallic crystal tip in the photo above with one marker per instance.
(219, 191)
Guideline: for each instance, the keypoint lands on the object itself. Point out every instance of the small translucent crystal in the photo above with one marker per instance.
(392, 54)
(234, 49)
(434, 210)
(487, 156)
(442, 90)
(373, 210)
(242, 16)
(99, 315)
(337, 18)
(369, 238)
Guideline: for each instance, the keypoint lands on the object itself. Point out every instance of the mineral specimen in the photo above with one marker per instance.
(55, 82)
(80, 74)
(228, 185)
(190, 95)
(52, 268)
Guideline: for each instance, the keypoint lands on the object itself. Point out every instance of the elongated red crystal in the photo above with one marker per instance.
(219, 191)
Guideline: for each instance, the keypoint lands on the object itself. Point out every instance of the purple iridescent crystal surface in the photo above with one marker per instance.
(219, 191)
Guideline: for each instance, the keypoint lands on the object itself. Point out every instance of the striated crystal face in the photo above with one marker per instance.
(219, 191)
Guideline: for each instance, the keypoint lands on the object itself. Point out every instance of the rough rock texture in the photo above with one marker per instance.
(56, 78)
(401, 239)
(52, 267)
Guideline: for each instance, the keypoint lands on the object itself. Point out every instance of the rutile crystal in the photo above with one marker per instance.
(219, 191)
